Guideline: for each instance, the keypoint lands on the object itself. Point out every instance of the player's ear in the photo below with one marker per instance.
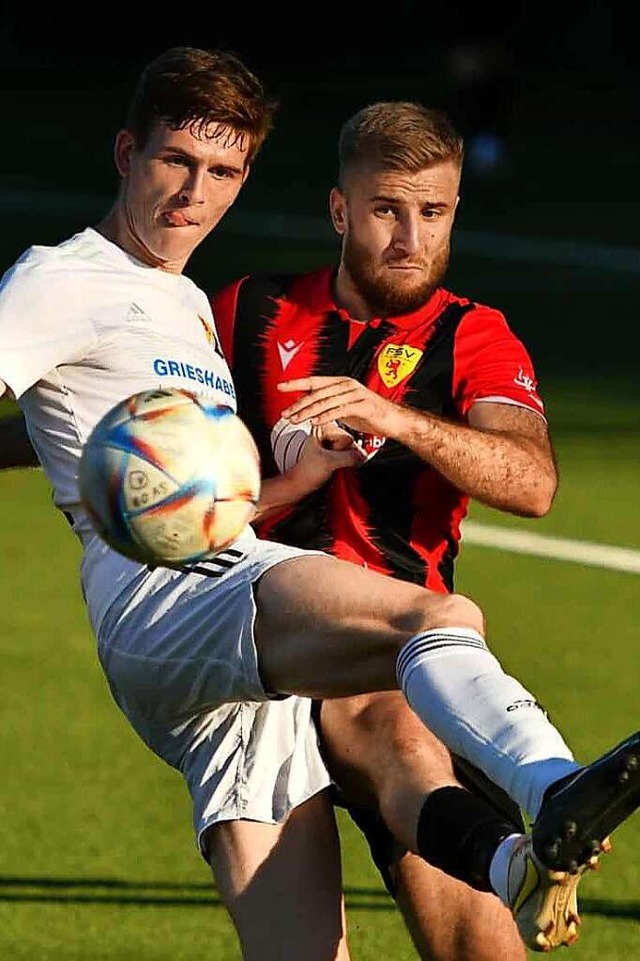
(338, 210)
(122, 152)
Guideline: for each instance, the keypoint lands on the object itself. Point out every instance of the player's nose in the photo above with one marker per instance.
(407, 239)
(192, 190)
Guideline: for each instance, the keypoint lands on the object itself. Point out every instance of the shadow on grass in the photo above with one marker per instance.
(165, 894)
(29, 890)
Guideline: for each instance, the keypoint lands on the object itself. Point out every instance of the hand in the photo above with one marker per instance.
(323, 452)
(319, 458)
(342, 399)
(334, 437)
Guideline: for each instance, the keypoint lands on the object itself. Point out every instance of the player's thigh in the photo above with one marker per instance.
(282, 883)
(370, 740)
(449, 921)
(327, 627)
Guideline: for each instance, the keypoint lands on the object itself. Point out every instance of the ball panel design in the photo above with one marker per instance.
(100, 473)
(168, 477)
(235, 451)
(145, 484)
(229, 517)
(177, 530)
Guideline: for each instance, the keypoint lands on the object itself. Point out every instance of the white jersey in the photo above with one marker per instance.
(84, 325)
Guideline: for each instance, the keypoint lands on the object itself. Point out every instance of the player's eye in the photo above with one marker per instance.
(222, 173)
(430, 213)
(174, 160)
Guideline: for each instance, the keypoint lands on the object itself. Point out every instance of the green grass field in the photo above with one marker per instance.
(97, 857)
(98, 861)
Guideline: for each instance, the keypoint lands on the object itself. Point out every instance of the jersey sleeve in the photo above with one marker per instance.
(492, 364)
(41, 323)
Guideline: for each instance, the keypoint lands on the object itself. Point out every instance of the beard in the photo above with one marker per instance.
(387, 294)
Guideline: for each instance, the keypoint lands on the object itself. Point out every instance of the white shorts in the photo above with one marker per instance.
(179, 655)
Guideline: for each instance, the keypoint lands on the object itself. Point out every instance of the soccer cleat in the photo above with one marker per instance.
(543, 902)
(580, 812)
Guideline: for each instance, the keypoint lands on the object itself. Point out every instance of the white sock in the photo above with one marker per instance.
(457, 687)
(499, 868)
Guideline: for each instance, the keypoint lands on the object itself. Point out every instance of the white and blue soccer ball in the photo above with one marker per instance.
(169, 478)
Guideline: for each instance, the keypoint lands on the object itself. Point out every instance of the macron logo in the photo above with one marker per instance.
(288, 351)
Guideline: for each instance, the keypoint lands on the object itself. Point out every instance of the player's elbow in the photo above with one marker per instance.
(539, 508)
(540, 497)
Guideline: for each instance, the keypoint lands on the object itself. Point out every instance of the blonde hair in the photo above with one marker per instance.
(397, 135)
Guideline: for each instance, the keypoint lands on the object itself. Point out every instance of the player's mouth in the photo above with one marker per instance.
(403, 266)
(177, 218)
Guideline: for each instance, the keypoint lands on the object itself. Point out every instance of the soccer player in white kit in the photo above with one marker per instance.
(214, 667)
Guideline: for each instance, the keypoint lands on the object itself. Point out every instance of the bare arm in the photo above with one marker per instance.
(503, 457)
(315, 465)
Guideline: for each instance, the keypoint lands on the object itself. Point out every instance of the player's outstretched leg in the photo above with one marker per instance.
(577, 816)
(579, 812)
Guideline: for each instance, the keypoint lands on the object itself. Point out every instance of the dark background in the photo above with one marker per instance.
(575, 35)
(565, 98)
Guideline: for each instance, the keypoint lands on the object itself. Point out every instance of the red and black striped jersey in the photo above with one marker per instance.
(395, 513)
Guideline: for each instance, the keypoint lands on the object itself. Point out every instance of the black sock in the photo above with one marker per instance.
(459, 832)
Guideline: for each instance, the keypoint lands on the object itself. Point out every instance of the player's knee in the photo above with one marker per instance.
(465, 613)
(452, 610)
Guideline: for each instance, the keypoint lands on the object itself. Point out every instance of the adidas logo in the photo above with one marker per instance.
(136, 313)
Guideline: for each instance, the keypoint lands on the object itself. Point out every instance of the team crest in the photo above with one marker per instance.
(209, 334)
(396, 362)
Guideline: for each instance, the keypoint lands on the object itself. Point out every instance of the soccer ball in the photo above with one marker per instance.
(169, 478)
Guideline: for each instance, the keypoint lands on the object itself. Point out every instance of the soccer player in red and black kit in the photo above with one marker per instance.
(441, 396)
(318, 632)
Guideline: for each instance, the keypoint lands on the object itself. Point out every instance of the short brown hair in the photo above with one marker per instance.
(189, 87)
(398, 135)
